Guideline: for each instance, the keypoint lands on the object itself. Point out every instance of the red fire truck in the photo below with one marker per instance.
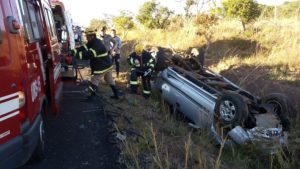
(30, 79)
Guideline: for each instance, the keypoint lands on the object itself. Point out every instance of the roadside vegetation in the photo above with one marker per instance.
(261, 55)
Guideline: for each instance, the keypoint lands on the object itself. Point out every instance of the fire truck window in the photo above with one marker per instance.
(28, 29)
(52, 24)
(34, 23)
(49, 22)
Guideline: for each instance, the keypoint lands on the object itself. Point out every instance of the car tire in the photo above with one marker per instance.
(282, 106)
(231, 110)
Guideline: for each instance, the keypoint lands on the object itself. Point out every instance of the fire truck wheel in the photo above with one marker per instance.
(39, 151)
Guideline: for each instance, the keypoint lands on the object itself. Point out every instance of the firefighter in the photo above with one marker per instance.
(142, 64)
(100, 63)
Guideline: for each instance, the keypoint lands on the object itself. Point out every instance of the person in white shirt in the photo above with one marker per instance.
(117, 51)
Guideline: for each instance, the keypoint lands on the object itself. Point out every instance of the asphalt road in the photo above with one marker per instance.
(76, 137)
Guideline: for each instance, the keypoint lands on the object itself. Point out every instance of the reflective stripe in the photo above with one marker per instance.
(131, 61)
(80, 55)
(9, 105)
(9, 116)
(133, 68)
(94, 52)
(85, 47)
(150, 61)
(146, 92)
(151, 65)
(75, 51)
(102, 71)
(102, 55)
(134, 82)
(8, 96)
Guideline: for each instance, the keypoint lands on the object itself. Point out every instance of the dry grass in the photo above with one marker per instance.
(168, 142)
(180, 39)
(269, 43)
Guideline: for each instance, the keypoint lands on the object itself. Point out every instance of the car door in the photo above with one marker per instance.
(32, 23)
(54, 81)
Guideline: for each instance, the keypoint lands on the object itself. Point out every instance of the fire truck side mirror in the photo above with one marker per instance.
(13, 25)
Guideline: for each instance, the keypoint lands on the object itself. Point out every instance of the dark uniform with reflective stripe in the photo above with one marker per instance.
(139, 66)
(96, 52)
(100, 63)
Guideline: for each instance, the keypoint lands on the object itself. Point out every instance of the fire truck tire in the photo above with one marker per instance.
(39, 152)
(282, 106)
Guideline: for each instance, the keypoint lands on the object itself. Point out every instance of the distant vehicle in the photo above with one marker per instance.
(211, 101)
(30, 78)
(65, 34)
(63, 23)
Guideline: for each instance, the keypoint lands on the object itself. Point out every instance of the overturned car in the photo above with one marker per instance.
(211, 101)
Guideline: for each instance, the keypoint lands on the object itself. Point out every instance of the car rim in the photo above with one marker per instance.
(227, 110)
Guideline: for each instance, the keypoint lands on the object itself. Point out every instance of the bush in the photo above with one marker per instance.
(245, 10)
(154, 16)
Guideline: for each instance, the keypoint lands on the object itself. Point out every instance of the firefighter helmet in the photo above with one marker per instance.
(138, 49)
(90, 31)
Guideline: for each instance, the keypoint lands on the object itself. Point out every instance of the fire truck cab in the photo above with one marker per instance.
(30, 81)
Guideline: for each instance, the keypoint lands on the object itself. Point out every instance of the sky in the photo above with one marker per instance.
(83, 11)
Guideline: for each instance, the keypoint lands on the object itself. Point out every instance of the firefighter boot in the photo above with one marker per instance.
(115, 91)
(92, 90)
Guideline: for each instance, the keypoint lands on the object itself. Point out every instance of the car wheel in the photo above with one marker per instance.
(230, 110)
(39, 152)
(281, 106)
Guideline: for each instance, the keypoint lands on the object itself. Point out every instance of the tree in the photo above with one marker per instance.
(154, 16)
(97, 24)
(188, 5)
(123, 22)
(245, 10)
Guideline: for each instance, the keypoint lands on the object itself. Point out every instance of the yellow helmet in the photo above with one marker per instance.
(90, 31)
(138, 49)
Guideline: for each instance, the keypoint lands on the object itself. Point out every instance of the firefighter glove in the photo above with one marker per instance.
(148, 72)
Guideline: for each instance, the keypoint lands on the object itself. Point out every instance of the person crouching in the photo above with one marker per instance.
(142, 64)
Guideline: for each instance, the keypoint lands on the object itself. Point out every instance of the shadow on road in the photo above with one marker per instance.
(76, 138)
